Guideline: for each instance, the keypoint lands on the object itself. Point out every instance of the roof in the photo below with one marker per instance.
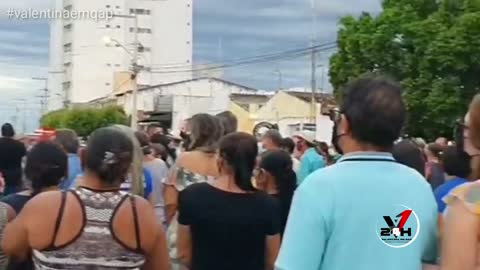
(327, 101)
(319, 97)
(199, 79)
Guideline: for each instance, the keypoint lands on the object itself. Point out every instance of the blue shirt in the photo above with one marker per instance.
(444, 189)
(337, 217)
(148, 184)
(311, 161)
(74, 170)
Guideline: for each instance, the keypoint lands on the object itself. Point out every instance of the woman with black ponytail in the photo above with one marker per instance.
(45, 168)
(276, 177)
(227, 223)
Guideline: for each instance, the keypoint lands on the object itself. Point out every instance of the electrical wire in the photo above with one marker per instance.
(263, 53)
(259, 59)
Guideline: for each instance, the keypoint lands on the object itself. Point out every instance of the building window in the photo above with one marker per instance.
(188, 61)
(118, 26)
(140, 11)
(107, 6)
(188, 42)
(107, 26)
(66, 85)
(141, 30)
(68, 8)
(188, 5)
(107, 84)
(67, 47)
(67, 27)
(188, 23)
(109, 65)
(117, 7)
(117, 65)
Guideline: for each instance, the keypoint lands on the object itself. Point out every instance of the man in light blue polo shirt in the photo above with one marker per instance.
(367, 211)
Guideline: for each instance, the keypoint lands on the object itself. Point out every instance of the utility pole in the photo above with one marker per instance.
(314, 63)
(44, 96)
(65, 97)
(134, 66)
(135, 71)
(24, 117)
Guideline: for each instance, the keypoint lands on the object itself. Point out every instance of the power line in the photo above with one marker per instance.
(260, 59)
(279, 54)
(263, 53)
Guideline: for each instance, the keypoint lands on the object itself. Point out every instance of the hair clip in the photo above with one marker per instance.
(110, 158)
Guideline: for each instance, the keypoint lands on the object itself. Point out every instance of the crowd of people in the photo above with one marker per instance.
(210, 198)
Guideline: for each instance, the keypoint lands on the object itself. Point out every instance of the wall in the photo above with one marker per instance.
(189, 97)
(283, 105)
(286, 110)
(245, 121)
(93, 64)
(55, 79)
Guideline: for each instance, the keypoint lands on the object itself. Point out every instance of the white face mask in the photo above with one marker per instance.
(331, 152)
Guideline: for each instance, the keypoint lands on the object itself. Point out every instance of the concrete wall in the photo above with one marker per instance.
(92, 68)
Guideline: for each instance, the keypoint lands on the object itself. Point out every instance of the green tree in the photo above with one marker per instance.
(431, 47)
(84, 120)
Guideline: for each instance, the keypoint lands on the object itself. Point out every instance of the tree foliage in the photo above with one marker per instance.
(84, 120)
(431, 47)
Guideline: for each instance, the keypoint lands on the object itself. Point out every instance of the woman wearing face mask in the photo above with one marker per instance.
(276, 177)
(462, 218)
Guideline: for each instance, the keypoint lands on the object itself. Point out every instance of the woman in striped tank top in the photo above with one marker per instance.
(95, 226)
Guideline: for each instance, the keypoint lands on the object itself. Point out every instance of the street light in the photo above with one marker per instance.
(135, 67)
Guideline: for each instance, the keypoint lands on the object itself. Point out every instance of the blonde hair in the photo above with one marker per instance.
(136, 169)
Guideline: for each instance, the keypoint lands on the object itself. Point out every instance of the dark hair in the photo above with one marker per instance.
(206, 132)
(375, 110)
(240, 151)
(7, 130)
(279, 164)
(274, 136)
(229, 122)
(289, 145)
(436, 149)
(160, 150)
(155, 125)
(67, 139)
(165, 141)
(109, 154)
(410, 155)
(46, 166)
(144, 141)
(456, 162)
(323, 147)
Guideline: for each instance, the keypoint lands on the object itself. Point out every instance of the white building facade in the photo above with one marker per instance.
(186, 98)
(82, 67)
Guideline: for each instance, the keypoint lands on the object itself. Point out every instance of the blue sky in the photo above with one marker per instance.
(223, 30)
